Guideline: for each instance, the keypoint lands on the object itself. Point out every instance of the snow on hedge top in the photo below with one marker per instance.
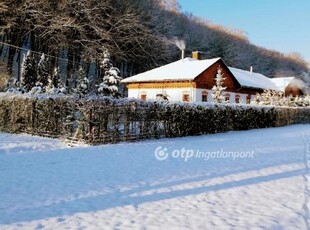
(282, 82)
(184, 69)
(253, 80)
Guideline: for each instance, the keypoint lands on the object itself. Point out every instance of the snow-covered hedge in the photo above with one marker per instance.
(97, 120)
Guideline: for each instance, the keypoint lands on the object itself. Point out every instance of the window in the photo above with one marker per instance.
(227, 97)
(248, 99)
(237, 98)
(162, 97)
(186, 97)
(143, 96)
(204, 96)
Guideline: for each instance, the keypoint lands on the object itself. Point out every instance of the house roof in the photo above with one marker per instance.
(252, 80)
(184, 69)
(282, 82)
(189, 69)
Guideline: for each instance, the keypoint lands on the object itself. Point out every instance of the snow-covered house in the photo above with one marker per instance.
(191, 80)
(252, 83)
(289, 85)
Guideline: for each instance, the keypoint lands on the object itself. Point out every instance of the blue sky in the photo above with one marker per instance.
(282, 25)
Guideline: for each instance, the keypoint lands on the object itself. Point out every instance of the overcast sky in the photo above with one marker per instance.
(281, 25)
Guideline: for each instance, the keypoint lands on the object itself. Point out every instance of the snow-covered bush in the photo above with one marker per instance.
(307, 100)
(275, 98)
(14, 87)
(36, 89)
(55, 85)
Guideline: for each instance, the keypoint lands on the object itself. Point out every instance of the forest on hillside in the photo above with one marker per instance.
(139, 35)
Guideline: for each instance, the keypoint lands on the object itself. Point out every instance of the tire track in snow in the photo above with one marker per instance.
(306, 176)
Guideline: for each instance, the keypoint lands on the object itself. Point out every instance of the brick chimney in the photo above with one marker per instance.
(196, 55)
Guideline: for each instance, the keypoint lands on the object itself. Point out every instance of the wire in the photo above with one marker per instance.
(34, 52)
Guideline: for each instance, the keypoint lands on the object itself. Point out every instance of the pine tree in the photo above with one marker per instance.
(218, 89)
(42, 72)
(82, 87)
(28, 72)
(111, 78)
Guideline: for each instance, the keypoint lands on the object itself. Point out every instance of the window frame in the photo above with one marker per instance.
(143, 96)
(227, 95)
(237, 99)
(186, 97)
(204, 94)
(248, 98)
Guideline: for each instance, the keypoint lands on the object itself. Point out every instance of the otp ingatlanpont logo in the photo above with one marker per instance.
(161, 153)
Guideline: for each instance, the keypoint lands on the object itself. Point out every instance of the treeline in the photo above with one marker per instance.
(79, 31)
(139, 34)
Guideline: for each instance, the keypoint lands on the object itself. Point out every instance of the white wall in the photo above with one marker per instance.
(173, 93)
(176, 94)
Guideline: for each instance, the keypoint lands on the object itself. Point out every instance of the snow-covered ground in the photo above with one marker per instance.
(46, 185)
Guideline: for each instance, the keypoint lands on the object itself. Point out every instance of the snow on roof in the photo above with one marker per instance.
(282, 82)
(189, 69)
(253, 80)
(184, 69)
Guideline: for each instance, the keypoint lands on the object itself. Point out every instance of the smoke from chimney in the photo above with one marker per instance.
(180, 43)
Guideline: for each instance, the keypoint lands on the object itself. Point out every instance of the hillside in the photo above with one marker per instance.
(232, 45)
(139, 35)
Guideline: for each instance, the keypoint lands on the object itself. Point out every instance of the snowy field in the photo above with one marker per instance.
(260, 184)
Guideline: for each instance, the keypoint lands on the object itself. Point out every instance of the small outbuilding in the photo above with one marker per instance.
(289, 86)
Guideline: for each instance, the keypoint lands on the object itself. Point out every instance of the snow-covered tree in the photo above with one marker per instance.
(170, 5)
(42, 71)
(82, 87)
(270, 97)
(218, 89)
(110, 78)
(42, 76)
(275, 98)
(307, 100)
(28, 72)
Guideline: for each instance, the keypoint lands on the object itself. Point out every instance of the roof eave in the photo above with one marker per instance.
(165, 80)
(255, 88)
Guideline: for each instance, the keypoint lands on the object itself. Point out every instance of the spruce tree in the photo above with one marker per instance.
(82, 87)
(43, 72)
(218, 89)
(28, 72)
(110, 77)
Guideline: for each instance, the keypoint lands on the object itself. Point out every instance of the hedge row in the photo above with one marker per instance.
(98, 120)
